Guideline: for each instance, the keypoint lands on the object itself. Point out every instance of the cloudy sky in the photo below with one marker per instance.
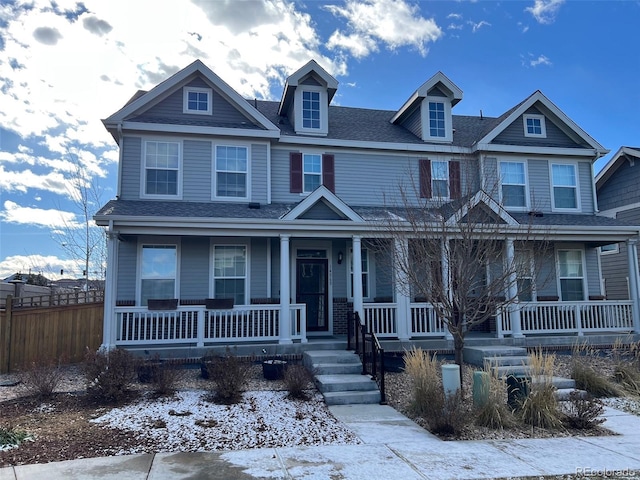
(65, 65)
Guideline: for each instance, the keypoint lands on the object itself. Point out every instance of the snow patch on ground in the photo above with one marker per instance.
(189, 422)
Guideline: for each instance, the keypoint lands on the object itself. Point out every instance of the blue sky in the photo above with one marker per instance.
(65, 65)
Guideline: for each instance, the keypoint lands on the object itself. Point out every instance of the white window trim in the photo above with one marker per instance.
(526, 206)
(448, 180)
(609, 252)
(543, 126)
(424, 114)
(577, 187)
(185, 100)
(585, 286)
(214, 171)
(305, 192)
(324, 110)
(231, 242)
(143, 168)
(150, 242)
(370, 273)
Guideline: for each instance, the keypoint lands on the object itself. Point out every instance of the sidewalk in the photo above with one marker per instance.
(393, 447)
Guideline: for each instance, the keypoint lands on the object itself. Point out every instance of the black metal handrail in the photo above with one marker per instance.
(367, 347)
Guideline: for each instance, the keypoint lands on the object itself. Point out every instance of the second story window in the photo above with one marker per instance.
(310, 109)
(534, 126)
(312, 172)
(437, 120)
(564, 186)
(513, 183)
(161, 168)
(197, 100)
(440, 179)
(231, 171)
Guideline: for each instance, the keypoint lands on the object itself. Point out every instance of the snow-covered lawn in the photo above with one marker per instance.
(189, 422)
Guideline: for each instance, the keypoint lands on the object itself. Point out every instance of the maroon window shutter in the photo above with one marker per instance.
(295, 172)
(425, 178)
(454, 180)
(328, 172)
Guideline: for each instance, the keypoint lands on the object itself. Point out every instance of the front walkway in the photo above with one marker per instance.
(393, 447)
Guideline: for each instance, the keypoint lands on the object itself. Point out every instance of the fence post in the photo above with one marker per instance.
(5, 347)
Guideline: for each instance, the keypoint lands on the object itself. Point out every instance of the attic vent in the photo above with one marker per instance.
(254, 205)
(536, 213)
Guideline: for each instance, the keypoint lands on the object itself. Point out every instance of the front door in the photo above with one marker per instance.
(311, 289)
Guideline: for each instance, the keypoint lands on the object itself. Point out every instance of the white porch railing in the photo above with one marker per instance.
(381, 319)
(576, 317)
(199, 326)
(425, 322)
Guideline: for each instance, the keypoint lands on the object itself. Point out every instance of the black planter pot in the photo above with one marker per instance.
(273, 369)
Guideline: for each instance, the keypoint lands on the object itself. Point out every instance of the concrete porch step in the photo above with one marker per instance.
(351, 398)
(560, 383)
(475, 355)
(318, 357)
(345, 383)
(562, 394)
(519, 360)
(336, 368)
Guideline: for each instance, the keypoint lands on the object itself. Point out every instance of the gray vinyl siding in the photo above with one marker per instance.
(171, 109)
(259, 178)
(275, 268)
(586, 187)
(383, 275)
(615, 273)
(321, 211)
(621, 188)
(196, 173)
(413, 123)
(195, 277)
(539, 185)
(258, 259)
(368, 180)
(130, 168)
(127, 267)
(514, 134)
(340, 273)
(546, 279)
(593, 272)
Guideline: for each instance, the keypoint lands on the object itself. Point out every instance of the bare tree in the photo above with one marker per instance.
(83, 240)
(466, 257)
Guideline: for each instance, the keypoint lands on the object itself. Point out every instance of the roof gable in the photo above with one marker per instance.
(491, 210)
(322, 199)
(623, 154)
(313, 72)
(146, 100)
(548, 108)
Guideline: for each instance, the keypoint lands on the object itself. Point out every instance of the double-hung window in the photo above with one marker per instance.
(311, 171)
(161, 168)
(365, 272)
(524, 274)
(230, 272)
(440, 179)
(310, 109)
(231, 171)
(570, 274)
(513, 183)
(197, 100)
(437, 125)
(158, 272)
(534, 126)
(565, 186)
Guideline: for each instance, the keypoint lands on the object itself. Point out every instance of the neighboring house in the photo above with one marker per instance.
(618, 188)
(232, 214)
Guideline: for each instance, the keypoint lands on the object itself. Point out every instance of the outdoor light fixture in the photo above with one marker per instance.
(340, 256)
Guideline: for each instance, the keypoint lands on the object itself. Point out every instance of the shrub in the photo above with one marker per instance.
(588, 378)
(540, 408)
(297, 380)
(229, 375)
(582, 411)
(109, 374)
(443, 414)
(162, 376)
(41, 377)
(10, 437)
(495, 413)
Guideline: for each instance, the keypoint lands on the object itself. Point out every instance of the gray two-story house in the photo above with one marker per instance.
(243, 220)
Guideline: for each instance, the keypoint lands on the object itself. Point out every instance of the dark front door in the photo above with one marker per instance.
(311, 289)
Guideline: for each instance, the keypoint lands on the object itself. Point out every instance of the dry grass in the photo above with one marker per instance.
(494, 412)
(587, 377)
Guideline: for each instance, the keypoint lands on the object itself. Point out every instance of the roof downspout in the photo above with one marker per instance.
(120, 140)
(269, 173)
(596, 209)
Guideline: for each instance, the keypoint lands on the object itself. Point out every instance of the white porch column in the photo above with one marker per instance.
(357, 276)
(514, 305)
(109, 324)
(446, 279)
(285, 291)
(403, 302)
(632, 256)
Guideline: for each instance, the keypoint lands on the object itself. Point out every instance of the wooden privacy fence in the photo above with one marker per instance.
(47, 333)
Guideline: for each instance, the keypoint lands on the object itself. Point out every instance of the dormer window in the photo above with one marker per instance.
(436, 119)
(197, 100)
(534, 126)
(310, 109)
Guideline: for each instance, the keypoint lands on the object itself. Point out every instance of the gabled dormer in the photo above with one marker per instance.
(427, 113)
(306, 98)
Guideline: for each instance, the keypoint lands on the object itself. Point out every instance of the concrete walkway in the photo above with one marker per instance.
(393, 447)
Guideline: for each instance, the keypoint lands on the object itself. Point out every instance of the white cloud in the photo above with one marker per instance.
(541, 60)
(545, 11)
(48, 265)
(477, 26)
(454, 26)
(457, 16)
(395, 23)
(358, 45)
(14, 213)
